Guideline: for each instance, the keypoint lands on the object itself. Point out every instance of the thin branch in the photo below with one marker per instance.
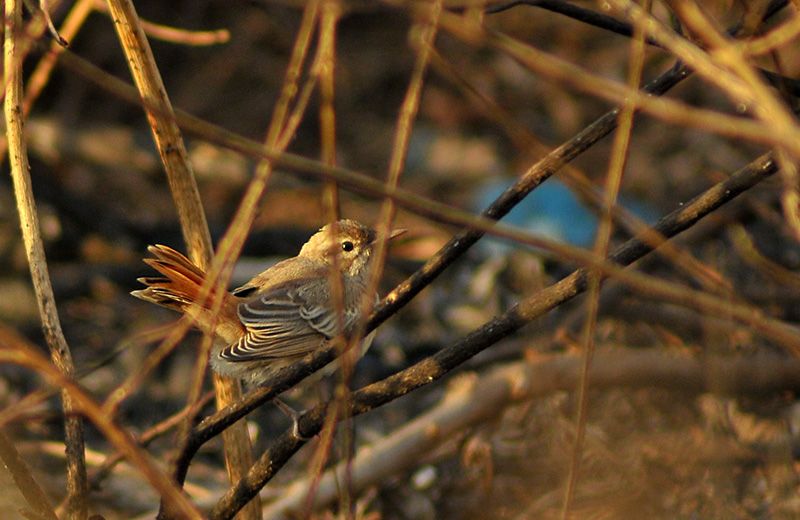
(77, 489)
(581, 14)
(616, 168)
(177, 34)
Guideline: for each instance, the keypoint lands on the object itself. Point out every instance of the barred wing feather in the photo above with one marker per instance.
(290, 320)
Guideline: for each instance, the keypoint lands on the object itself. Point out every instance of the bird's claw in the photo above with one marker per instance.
(294, 415)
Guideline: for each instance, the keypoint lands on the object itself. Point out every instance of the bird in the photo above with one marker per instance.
(283, 313)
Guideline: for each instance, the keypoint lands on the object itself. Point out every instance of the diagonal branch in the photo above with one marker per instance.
(436, 366)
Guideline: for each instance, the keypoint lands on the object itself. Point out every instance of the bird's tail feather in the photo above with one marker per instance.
(179, 289)
(180, 284)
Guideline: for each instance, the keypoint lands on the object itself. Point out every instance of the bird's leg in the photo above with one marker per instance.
(292, 414)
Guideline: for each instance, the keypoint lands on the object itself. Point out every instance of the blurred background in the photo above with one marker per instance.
(102, 198)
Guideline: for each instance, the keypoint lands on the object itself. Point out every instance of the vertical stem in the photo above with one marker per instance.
(619, 157)
(325, 70)
(168, 139)
(34, 250)
(327, 114)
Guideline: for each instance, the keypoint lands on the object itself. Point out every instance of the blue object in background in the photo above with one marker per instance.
(553, 211)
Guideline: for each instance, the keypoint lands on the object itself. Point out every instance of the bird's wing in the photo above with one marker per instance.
(287, 321)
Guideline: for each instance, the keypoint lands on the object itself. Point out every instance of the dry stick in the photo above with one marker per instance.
(233, 240)
(328, 20)
(177, 35)
(436, 366)
(474, 400)
(169, 142)
(746, 248)
(23, 478)
(18, 351)
(77, 490)
(773, 39)
(619, 158)
(19, 409)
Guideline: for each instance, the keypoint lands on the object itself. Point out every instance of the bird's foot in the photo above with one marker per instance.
(292, 414)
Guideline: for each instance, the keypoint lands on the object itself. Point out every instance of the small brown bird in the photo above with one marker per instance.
(280, 315)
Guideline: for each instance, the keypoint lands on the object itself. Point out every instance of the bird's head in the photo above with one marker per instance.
(351, 241)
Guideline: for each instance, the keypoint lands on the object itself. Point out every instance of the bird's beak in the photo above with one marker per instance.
(396, 233)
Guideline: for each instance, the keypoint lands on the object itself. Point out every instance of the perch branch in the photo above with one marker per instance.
(436, 366)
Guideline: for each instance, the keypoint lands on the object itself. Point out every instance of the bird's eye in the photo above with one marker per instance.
(347, 246)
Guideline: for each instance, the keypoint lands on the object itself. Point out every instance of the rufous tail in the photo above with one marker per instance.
(179, 289)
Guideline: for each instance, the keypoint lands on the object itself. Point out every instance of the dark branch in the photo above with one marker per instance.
(581, 14)
(536, 175)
